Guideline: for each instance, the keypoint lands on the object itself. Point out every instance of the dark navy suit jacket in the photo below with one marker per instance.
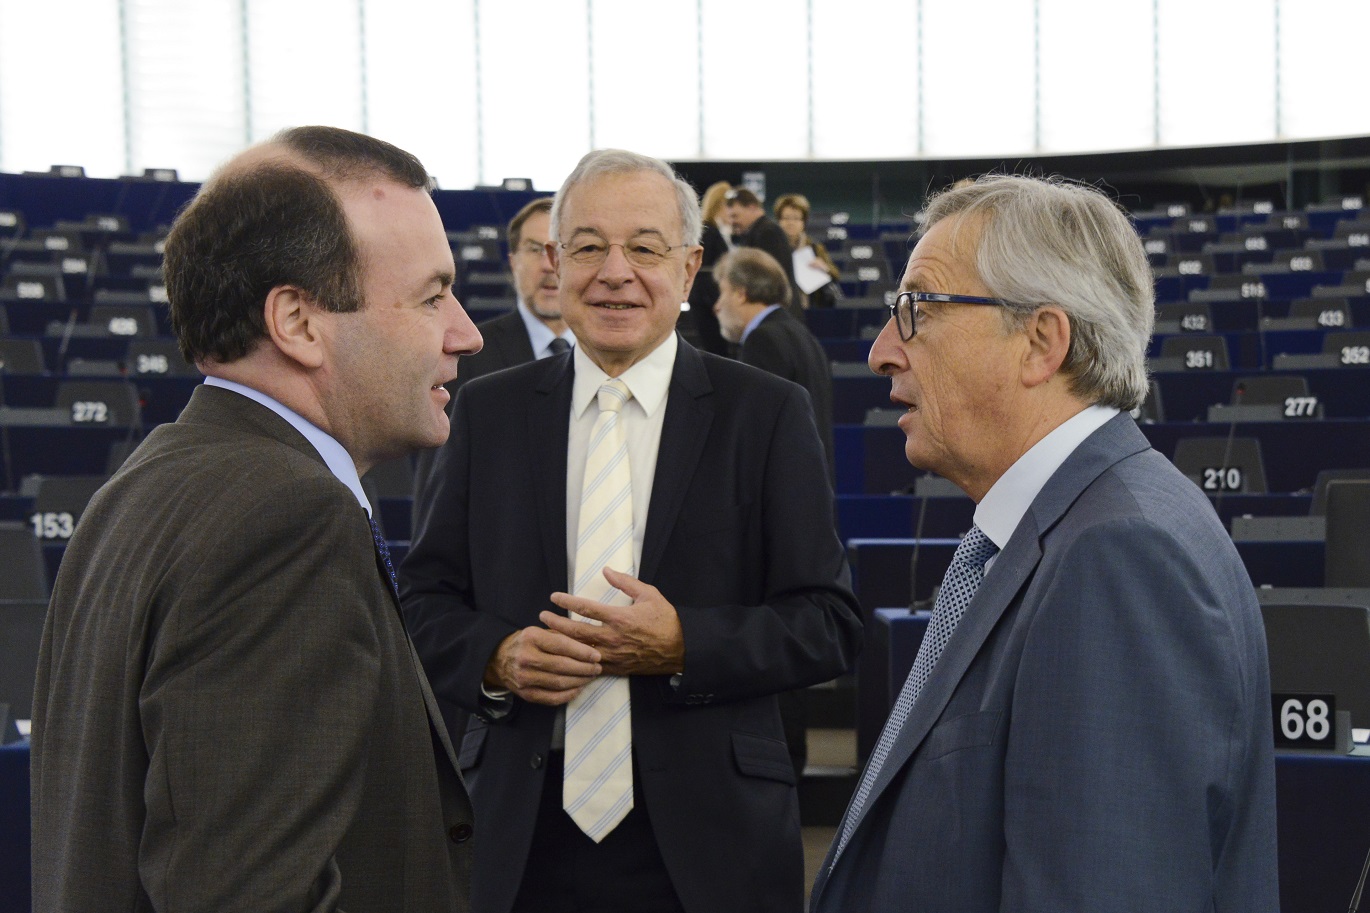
(739, 538)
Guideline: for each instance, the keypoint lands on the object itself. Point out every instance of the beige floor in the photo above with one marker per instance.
(816, 842)
(827, 748)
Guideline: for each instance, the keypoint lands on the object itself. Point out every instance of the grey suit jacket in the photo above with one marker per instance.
(1096, 735)
(228, 714)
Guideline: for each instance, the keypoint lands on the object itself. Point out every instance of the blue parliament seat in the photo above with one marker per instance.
(900, 516)
(846, 351)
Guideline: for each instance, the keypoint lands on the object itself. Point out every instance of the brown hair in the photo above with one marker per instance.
(271, 223)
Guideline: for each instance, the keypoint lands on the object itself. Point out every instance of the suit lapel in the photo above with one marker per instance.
(1116, 440)
(685, 428)
(549, 419)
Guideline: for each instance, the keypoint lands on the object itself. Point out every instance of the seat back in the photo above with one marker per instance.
(1197, 352)
(1347, 562)
(99, 402)
(1221, 465)
(21, 632)
(1321, 649)
(21, 560)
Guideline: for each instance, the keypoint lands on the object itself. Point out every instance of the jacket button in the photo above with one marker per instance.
(535, 761)
(460, 833)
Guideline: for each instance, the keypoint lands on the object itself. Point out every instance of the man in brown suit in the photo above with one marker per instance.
(228, 714)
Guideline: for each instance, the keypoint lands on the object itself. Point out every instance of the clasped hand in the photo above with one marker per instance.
(552, 664)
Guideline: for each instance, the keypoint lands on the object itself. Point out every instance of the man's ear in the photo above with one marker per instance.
(693, 258)
(293, 324)
(1048, 342)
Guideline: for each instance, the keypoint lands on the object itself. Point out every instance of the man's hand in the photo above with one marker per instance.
(639, 639)
(542, 666)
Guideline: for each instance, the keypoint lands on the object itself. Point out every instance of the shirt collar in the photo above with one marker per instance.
(1003, 506)
(756, 321)
(648, 380)
(539, 334)
(338, 461)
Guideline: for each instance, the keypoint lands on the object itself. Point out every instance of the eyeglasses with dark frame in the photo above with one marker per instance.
(644, 251)
(904, 311)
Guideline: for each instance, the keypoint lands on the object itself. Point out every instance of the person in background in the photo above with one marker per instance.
(228, 714)
(792, 214)
(1087, 724)
(704, 292)
(753, 228)
(753, 292)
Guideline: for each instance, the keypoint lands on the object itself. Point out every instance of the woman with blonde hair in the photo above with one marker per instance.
(705, 290)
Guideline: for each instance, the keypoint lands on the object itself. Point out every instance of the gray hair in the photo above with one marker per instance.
(1050, 241)
(761, 279)
(620, 161)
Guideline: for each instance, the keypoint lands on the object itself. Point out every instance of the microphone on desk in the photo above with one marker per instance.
(1360, 885)
(1237, 396)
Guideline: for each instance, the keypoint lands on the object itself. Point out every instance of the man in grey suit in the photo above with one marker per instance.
(228, 714)
(1087, 725)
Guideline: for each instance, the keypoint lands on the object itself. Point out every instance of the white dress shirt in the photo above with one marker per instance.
(1003, 506)
(641, 419)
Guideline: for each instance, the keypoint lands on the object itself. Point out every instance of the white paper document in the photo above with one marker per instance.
(810, 273)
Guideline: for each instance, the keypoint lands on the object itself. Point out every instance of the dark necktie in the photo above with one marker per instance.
(958, 588)
(383, 552)
(559, 345)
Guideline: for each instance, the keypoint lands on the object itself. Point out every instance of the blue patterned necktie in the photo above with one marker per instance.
(958, 588)
(559, 345)
(383, 552)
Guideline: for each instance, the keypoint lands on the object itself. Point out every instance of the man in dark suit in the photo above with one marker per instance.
(535, 328)
(753, 292)
(228, 713)
(1087, 725)
(729, 587)
(753, 228)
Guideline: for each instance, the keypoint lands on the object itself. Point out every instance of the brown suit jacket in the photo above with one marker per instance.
(228, 714)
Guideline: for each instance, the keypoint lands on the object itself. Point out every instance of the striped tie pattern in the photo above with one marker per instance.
(958, 588)
(597, 786)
